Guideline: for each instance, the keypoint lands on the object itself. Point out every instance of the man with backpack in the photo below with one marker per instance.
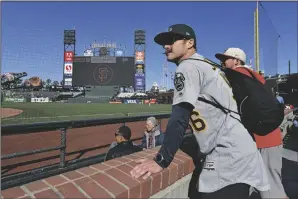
(270, 145)
(232, 162)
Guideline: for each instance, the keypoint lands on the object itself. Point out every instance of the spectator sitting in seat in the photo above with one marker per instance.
(113, 144)
(124, 145)
(153, 137)
(279, 98)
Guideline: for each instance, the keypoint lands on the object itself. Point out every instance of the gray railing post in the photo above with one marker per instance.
(63, 148)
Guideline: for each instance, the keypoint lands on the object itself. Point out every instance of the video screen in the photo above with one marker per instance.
(104, 71)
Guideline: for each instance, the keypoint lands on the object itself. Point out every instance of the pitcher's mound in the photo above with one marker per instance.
(10, 112)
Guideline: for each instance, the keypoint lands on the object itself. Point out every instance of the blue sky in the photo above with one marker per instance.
(32, 32)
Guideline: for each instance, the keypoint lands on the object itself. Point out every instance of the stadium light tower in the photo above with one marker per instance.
(139, 54)
(70, 41)
(69, 53)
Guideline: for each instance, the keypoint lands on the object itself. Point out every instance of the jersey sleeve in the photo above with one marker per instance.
(187, 84)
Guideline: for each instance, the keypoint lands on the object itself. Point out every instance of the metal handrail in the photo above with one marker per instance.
(14, 129)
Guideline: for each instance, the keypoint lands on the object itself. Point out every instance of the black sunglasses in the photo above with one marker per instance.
(172, 40)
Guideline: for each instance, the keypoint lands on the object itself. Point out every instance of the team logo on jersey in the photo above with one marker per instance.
(209, 166)
(179, 81)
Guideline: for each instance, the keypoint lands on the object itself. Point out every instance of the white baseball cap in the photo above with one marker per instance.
(232, 53)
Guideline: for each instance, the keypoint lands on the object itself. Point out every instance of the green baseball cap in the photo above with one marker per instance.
(174, 31)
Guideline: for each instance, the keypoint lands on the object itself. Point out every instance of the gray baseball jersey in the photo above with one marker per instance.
(232, 154)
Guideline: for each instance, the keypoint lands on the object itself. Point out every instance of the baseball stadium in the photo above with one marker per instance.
(102, 82)
(58, 133)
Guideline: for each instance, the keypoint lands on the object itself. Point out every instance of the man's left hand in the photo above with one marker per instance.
(145, 168)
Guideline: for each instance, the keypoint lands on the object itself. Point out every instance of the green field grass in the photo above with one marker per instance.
(43, 112)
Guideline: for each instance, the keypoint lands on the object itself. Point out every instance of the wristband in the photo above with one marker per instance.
(159, 159)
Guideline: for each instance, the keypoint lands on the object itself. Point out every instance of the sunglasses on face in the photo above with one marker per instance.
(224, 60)
(172, 40)
(118, 134)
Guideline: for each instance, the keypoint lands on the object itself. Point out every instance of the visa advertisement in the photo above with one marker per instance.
(132, 101)
(140, 82)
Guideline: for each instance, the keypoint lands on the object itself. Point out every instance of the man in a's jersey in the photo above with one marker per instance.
(233, 163)
(270, 145)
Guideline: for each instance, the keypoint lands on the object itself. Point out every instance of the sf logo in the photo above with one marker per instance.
(102, 74)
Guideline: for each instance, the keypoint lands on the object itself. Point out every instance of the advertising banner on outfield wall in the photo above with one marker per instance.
(14, 99)
(115, 102)
(139, 82)
(132, 101)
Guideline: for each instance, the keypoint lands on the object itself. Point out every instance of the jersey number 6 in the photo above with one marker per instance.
(197, 122)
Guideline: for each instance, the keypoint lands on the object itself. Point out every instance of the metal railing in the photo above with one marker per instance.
(20, 178)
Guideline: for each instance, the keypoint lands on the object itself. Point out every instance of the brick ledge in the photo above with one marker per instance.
(174, 190)
(109, 179)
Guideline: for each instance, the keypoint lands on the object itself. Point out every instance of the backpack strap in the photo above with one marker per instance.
(204, 59)
(215, 103)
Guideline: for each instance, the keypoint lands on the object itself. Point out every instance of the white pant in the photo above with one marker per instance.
(272, 158)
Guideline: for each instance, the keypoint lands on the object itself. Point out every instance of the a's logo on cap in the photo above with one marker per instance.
(187, 33)
(170, 29)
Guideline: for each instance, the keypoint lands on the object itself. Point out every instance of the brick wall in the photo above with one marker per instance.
(110, 179)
